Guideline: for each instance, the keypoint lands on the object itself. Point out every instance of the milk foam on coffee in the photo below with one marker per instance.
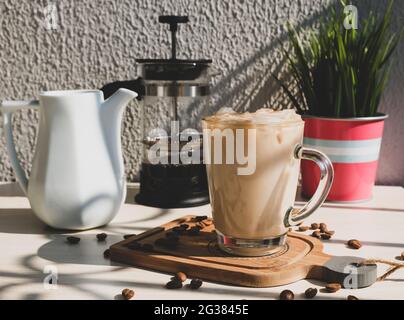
(261, 116)
(254, 206)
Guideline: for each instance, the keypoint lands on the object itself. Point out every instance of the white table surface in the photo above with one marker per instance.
(28, 247)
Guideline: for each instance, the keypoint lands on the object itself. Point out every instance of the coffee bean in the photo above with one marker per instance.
(303, 228)
(174, 284)
(194, 231)
(178, 230)
(181, 276)
(329, 232)
(107, 254)
(314, 226)
(333, 287)
(350, 297)
(134, 245)
(325, 236)
(195, 284)
(200, 218)
(316, 234)
(323, 227)
(354, 244)
(101, 236)
(147, 247)
(168, 243)
(73, 240)
(171, 234)
(127, 294)
(310, 293)
(200, 225)
(127, 236)
(286, 295)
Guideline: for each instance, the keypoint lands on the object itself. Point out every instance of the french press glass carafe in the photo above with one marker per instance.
(172, 172)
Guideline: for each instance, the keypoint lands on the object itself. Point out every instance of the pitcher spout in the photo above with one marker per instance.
(111, 112)
(116, 103)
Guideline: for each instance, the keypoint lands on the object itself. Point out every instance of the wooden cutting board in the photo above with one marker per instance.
(199, 257)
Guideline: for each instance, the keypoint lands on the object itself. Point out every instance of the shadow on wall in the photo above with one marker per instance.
(257, 88)
(391, 168)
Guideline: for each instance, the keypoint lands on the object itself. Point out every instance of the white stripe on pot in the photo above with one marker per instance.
(347, 151)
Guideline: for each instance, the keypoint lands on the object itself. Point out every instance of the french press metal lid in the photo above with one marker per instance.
(174, 77)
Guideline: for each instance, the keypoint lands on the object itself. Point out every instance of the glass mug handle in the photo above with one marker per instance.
(296, 215)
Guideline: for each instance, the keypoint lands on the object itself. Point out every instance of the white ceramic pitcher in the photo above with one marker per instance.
(77, 178)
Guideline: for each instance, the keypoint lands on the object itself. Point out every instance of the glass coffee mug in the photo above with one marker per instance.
(253, 165)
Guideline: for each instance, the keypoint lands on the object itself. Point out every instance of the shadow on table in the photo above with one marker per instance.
(34, 275)
(23, 221)
(11, 189)
(368, 243)
(88, 251)
(357, 208)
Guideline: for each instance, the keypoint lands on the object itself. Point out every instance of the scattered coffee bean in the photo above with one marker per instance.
(178, 230)
(314, 226)
(174, 284)
(323, 227)
(332, 287)
(303, 228)
(101, 236)
(354, 244)
(325, 236)
(127, 294)
(286, 295)
(193, 231)
(134, 245)
(181, 276)
(316, 234)
(147, 247)
(73, 240)
(195, 284)
(200, 225)
(200, 218)
(329, 232)
(107, 254)
(168, 243)
(127, 236)
(350, 297)
(171, 234)
(310, 293)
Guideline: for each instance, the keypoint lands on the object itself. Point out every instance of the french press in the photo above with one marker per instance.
(172, 171)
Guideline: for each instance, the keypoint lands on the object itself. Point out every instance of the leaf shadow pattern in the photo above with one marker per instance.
(33, 275)
(250, 85)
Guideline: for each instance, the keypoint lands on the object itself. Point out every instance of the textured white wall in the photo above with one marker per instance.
(97, 41)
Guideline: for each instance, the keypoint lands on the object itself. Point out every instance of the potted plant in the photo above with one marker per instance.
(340, 75)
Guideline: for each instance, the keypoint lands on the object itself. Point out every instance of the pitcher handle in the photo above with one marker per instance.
(8, 108)
(296, 215)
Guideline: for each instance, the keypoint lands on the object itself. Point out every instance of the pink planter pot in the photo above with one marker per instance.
(353, 146)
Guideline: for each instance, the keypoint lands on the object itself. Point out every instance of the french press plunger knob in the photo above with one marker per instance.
(173, 21)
